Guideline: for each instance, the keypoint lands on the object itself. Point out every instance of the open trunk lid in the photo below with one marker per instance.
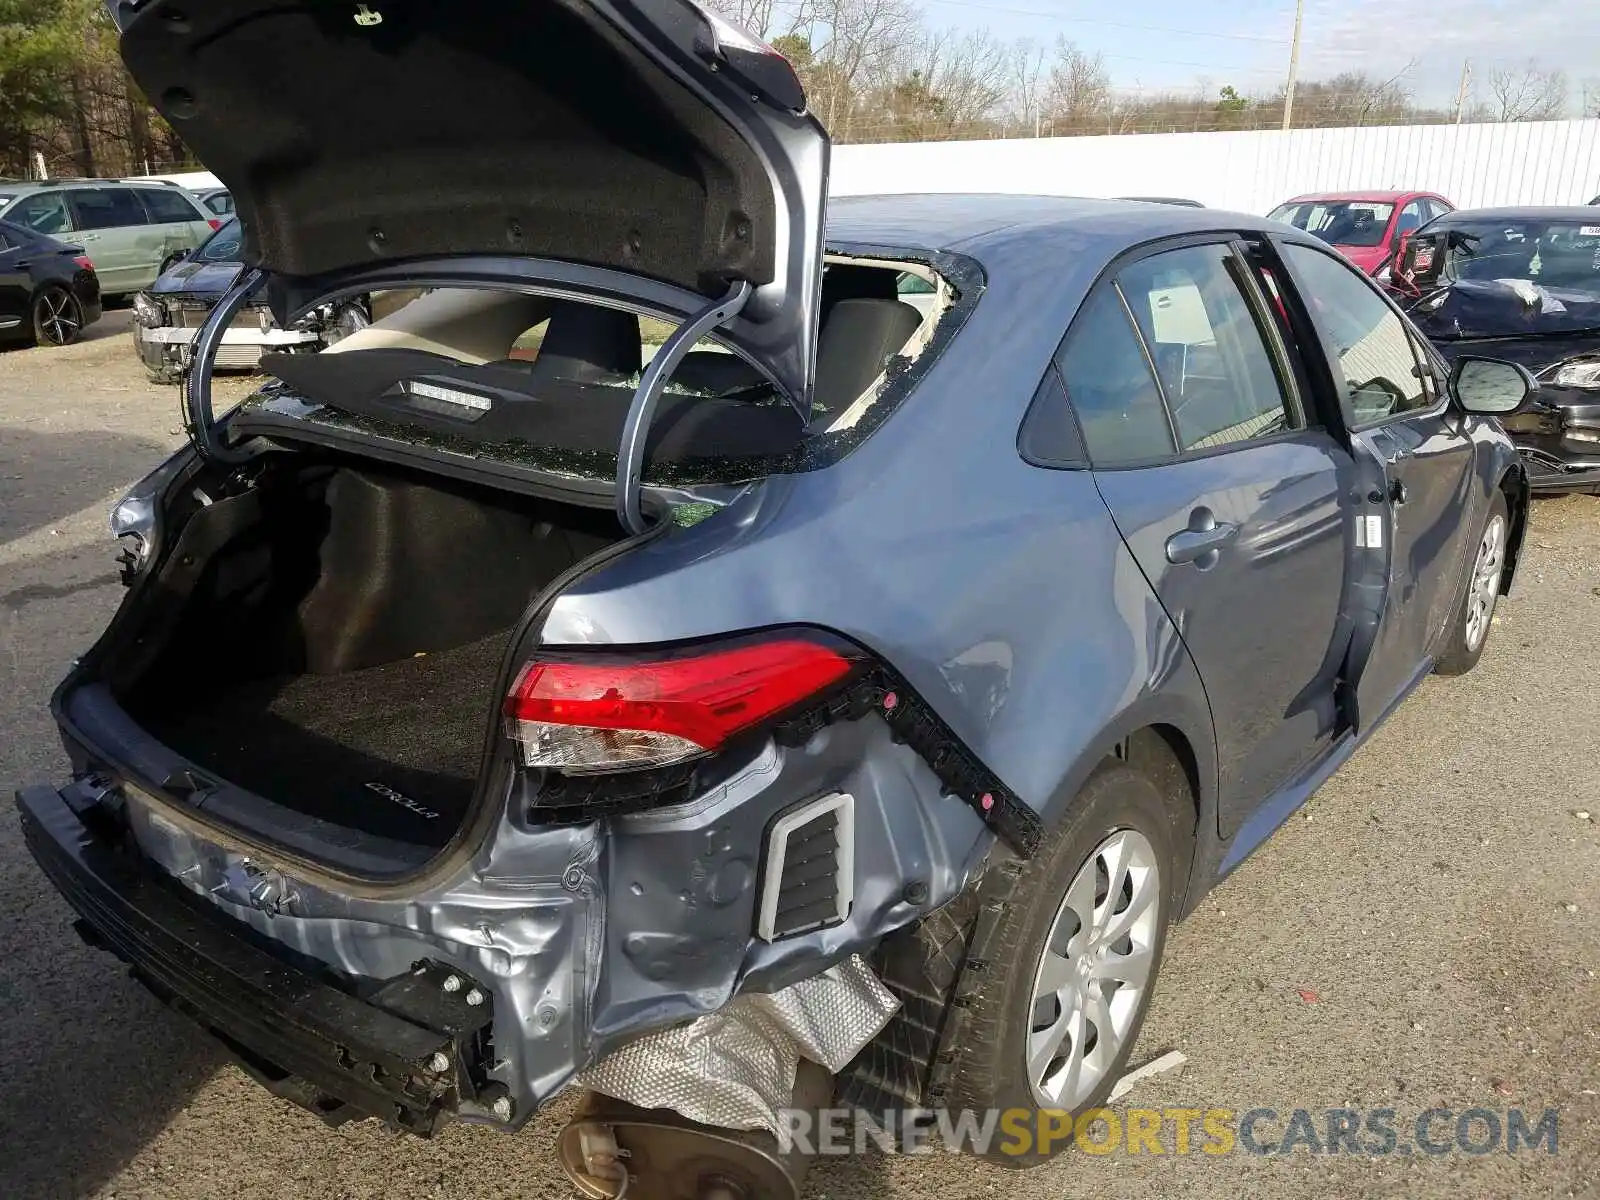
(643, 136)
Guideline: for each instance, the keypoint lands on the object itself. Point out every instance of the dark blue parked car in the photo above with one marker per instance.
(1521, 284)
(517, 693)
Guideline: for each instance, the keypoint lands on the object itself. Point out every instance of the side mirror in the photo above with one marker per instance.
(1490, 386)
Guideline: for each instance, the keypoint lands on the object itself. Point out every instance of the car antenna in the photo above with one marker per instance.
(630, 451)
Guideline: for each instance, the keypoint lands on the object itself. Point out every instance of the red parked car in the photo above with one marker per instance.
(1366, 227)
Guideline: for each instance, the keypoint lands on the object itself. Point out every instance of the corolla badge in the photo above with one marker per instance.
(262, 888)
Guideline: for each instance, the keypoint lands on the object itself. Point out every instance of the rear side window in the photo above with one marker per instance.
(1380, 372)
(1109, 382)
(42, 212)
(1219, 378)
(168, 206)
(108, 208)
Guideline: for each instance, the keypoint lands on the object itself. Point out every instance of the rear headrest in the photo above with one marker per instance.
(854, 283)
(859, 339)
(585, 343)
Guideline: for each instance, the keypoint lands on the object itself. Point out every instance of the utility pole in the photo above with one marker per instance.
(1294, 64)
(1461, 96)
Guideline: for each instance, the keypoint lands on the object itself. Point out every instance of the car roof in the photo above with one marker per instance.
(18, 187)
(1525, 212)
(1386, 197)
(975, 222)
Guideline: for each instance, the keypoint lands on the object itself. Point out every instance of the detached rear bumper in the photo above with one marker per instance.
(405, 1057)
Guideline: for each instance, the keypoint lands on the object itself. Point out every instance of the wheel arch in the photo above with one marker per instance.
(1177, 744)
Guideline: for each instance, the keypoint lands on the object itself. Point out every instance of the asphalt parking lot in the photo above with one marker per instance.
(1426, 933)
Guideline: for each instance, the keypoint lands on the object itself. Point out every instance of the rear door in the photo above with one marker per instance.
(116, 233)
(1229, 492)
(1400, 416)
(15, 284)
(176, 224)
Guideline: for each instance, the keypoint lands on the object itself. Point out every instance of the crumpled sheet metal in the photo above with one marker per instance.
(736, 1067)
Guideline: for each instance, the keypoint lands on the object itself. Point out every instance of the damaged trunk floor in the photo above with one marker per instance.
(391, 750)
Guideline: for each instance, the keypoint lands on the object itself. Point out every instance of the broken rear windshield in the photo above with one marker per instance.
(547, 383)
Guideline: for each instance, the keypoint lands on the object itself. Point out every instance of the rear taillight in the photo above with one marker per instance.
(585, 715)
(214, 222)
(84, 261)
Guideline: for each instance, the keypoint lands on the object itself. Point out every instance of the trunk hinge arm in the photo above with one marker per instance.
(636, 429)
(198, 416)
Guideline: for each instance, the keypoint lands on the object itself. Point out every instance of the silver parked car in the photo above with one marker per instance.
(131, 229)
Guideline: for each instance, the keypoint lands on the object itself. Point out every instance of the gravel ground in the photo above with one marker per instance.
(1426, 933)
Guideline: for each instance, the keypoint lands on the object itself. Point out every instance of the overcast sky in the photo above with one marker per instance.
(1246, 42)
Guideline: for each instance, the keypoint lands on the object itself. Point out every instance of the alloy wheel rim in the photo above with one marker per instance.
(1094, 975)
(1484, 589)
(58, 318)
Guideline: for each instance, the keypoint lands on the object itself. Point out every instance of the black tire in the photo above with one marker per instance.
(1460, 652)
(991, 1071)
(57, 317)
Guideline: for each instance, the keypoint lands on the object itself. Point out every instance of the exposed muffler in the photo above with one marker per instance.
(612, 1150)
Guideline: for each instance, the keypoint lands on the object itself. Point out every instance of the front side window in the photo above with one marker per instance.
(1411, 217)
(1109, 383)
(42, 212)
(108, 208)
(167, 207)
(1378, 370)
(1221, 382)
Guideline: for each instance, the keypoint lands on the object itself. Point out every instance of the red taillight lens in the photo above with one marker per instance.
(214, 222)
(85, 262)
(585, 717)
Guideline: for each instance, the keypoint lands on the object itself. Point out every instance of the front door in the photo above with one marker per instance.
(1403, 427)
(1229, 495)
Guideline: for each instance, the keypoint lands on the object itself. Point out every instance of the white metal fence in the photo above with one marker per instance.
(1537, 162)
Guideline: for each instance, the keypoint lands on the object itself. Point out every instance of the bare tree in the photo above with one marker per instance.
(1026, 91)
(1528, 93)
(1080, 89)
(854, 44)
(760, 17)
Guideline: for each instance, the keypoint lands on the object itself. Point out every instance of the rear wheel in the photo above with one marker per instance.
(1077, 953)
(1474, 615)
(57, 317)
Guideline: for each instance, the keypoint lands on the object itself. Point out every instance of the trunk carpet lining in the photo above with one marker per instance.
(318, 743)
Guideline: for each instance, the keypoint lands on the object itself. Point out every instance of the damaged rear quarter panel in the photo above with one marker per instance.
(1000, 591)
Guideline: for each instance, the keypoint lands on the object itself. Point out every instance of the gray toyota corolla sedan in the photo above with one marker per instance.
(663, 660)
